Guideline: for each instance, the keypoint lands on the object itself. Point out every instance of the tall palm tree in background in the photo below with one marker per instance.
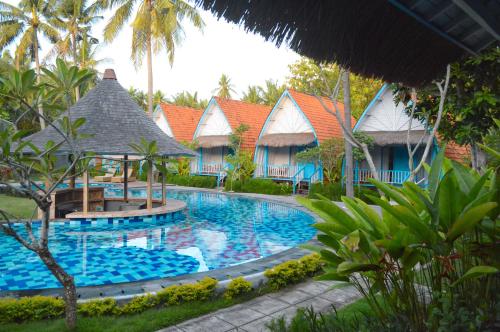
(225, 87)
(158, 98)
(25, 23)
(272, 92)
(139, 97)
(156, 26)
(74, 18)
(253, 95)
(185, 98)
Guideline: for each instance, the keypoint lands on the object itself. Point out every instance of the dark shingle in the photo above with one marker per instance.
(114, 121)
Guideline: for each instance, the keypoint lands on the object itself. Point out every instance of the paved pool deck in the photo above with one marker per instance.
(254, 315)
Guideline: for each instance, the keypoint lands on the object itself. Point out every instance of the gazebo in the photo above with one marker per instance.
(113, 123)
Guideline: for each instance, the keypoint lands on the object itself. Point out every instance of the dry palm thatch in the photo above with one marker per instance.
(279, 140)
(371, 37)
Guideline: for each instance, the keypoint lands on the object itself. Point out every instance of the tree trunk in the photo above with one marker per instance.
(75, 61)
(474, 156)
(37, 66)
(348, 170)
(68, 283)
(62, 276)
(149, 59)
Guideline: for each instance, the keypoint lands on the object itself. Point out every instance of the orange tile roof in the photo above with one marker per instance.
(239, 112)
(182, 120)
(325, 124)
(457, 152)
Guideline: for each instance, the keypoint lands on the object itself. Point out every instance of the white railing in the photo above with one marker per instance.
(280, 171)
(207, 168)
(362, 176)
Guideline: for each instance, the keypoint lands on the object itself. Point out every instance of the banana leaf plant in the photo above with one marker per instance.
(421, 243)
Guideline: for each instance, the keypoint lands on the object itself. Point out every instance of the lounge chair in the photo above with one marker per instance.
(121, 178)
(106, 177)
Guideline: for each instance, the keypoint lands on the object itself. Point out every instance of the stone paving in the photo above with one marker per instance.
(255, 314)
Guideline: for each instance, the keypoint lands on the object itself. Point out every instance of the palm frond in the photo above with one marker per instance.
(50, 32)
(8, 33)
(120, 17)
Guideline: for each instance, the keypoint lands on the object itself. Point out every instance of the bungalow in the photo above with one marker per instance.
(297, 121)
(387, 123)
(178, 122)
(218, 122)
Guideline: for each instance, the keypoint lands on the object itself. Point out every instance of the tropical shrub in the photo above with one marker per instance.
(260, 186)
(30, 308)
(192, 180)
(97, 308)
(331, 153)
(293, 271)
(428, 251)
(139, 304)
(238, 286)
(331, 190)
(201, 291)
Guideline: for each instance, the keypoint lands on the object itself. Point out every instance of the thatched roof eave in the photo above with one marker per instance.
(373, 38)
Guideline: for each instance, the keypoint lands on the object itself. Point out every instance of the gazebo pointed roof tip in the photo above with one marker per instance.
(113, 123)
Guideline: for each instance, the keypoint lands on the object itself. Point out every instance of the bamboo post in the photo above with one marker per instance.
(85, 191)
(149, 188)
(163, 189)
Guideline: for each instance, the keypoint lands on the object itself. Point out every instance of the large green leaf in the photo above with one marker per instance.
(477, 272)
(468, 219)
(464, 177)
(337, 214)
(347, 268)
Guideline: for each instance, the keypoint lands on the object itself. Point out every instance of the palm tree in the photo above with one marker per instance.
(158, 98)
(139, 97)
(157, 25)
(25, 23)
(188, 99)
(253, 95)
(225, 87)
(272, 92)
(75, 18)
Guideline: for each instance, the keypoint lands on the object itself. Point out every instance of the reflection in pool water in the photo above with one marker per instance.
(216, 231)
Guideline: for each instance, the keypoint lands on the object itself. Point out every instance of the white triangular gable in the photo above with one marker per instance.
(287, 118)
(213, 122)
(161, 121)
(385, 115)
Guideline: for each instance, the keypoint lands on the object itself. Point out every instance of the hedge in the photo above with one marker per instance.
(192, 180)
(332, 191)
(260, 186)
(44, 307)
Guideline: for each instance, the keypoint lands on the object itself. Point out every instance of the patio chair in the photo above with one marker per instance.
(110, 173)
(121, 178)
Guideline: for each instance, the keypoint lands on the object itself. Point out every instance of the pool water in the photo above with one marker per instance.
(216, 231)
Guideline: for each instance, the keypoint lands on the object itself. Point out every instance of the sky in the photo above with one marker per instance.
(199, 62)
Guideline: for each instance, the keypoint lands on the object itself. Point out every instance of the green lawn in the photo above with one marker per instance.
(20, 207)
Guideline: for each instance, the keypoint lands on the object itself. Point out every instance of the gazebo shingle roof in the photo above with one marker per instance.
(114, 121)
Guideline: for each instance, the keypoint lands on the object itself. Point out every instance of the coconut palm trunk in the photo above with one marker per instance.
(150, 77)
(38, 76)
(75, 60)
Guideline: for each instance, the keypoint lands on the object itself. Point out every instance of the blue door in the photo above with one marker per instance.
(308, 170)
(400, 158)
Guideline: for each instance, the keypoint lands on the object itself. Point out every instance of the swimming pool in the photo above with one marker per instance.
(216, 231)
